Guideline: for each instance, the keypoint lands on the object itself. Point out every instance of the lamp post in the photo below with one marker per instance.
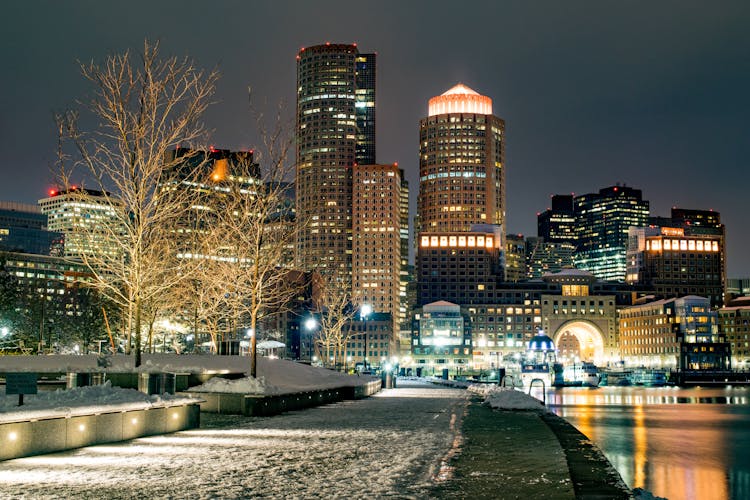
(364, 312)
(310, 325)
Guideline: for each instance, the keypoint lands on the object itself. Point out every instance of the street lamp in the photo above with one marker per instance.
(310, 325)
(364, 312)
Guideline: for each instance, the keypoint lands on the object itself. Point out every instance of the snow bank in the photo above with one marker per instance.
(506, 398)
(247, 385)
(275, 376)
(82, 401)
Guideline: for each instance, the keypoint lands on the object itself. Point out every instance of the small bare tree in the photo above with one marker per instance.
(143, 108)
(249, 244)
(336, 312)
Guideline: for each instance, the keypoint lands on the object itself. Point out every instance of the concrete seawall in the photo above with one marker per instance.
(37, 437)
(254, 405)
(526, 454)
(593, 476)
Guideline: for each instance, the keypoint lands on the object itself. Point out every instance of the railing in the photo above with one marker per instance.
(544, 390)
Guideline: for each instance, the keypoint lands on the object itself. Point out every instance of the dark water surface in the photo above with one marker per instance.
(674, 442)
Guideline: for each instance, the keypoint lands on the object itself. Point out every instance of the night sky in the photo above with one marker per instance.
(655, 95)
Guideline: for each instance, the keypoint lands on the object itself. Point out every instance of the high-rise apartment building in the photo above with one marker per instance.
(461, 163)
(335, 130)
(86, 218)
(602, 223)
(461, 205)
(377, 246)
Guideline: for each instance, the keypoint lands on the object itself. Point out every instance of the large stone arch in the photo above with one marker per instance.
(590, 339)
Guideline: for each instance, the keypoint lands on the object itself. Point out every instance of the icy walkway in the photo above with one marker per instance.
(389, 445)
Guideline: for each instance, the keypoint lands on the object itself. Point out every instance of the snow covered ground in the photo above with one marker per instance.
(275, 376)
(81, 401)
(391, 444)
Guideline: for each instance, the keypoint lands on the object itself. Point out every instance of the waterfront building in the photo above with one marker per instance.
(602, 223)
(335, 130)
(379, 249)
(441, 338)
(582, 323)
(734, 325)
(23, 228)
(557, 224)
(501, 332)
(87, 220)
(677, 260)
(678, 333)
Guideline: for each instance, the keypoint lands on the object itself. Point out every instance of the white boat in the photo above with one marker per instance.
(581, 374)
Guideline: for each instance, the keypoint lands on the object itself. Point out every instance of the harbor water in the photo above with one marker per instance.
(677, 443)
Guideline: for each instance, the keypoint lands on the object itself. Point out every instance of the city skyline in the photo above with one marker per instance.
(592, 94)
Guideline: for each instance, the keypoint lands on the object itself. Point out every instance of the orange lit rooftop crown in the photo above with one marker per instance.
(460, 99)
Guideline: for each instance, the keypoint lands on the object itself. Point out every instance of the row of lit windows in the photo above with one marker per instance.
(657, 245)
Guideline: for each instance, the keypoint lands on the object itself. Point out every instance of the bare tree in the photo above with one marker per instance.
(335, 312)
(143, 108)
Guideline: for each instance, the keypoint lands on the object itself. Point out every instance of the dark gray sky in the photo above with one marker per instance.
(653, 94)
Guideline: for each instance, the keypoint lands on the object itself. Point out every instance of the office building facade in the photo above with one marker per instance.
(602, 223)
(23, 228)
(377, 238)
(335, 112)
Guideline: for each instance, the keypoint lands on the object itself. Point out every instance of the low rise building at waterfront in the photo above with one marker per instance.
(677, 333)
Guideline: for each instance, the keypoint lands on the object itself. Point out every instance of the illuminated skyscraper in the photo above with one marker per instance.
(335, 131)
(602, 223)
(461, 205)
(364, 108)
(79, 214)
(378, 253)
(557, 224)
(461, 163)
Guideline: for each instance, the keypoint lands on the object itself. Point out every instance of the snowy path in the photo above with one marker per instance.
(388, 445)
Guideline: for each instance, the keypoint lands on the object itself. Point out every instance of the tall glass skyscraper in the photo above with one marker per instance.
(602, 223)
(335, 131)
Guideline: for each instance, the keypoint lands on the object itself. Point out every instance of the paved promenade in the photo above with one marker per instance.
(416, 441)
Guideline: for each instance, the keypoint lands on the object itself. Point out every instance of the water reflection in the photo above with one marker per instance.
(675, 443)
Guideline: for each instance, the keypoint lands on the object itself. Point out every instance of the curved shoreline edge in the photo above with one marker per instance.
(592, 474)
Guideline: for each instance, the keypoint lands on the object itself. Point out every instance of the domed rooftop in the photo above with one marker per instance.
(541, 342)
(460, 88)
(460, 99)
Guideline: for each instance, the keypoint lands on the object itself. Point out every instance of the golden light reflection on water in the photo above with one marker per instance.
(639, 446)
(674, 443)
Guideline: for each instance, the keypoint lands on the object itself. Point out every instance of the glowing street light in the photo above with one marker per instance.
(364, 312)
(310, 325)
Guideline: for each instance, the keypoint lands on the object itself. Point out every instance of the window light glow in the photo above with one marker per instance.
(460, 99)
